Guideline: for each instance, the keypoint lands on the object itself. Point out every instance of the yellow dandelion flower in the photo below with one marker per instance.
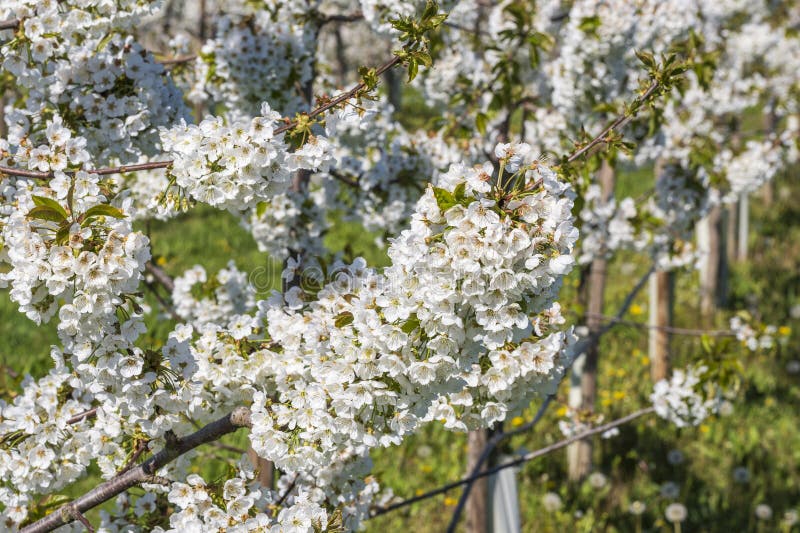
(704, 428)
(645, 360)
(448, 501)
(784, 331)
(606, 402)
(517, 421)
(161, 261)
(621, 372)
(426, 468)
(636, 310)
(419, 492)
(562, 411)
(619, 394)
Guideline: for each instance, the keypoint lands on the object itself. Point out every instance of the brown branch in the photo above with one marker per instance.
(342, 97)
(161, 277)
(238, 418)
(163, 303)
(619, 122)
(91, 413)
(74, 513)
(352, 17)
(177, 60)
(9, 25)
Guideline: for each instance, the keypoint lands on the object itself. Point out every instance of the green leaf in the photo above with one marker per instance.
(480, 123)
(411, 323)
(104, 41)
(647, 59)
(43, 201)
(413, 68)
(444, 198)
(343, 319)
(103, 210)
(62, 235)
(460, 191)
(42, 212)
(261, 208)
(589, 24)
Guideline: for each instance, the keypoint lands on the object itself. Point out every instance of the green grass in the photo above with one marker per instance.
(761, 434)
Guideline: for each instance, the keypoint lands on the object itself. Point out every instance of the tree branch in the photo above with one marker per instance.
(161, 277)
(620, 122)
(238, 418)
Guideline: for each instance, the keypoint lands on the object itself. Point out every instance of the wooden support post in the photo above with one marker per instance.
(709, 243)
(660, 319)
(744, 227)
(478, 502)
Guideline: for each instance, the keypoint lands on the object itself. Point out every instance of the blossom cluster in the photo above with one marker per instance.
(680, 399)
(199, 300)
(255, 56)
(105, 86)
(236, 166)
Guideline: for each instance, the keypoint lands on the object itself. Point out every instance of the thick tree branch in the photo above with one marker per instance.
(238, 418)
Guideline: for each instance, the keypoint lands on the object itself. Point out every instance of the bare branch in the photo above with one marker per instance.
(619, 122)
(91, 413)
(161, 277)
(9, 25)
(238, 418)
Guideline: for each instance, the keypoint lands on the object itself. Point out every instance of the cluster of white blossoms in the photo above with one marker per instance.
(681, 400)
(461, 328)
(235, 166)
(385, 165)
(754, 166)
(106, 87)
(256, 55)
(72, 253)
(753, 336)
(607, 226)
(291, 223)
(199, 300)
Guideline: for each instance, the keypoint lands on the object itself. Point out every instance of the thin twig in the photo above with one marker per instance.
(91, 413)
(75, 514)
(163, 303)
(141, 447)
(668, 329)
(160, 276)
(619, 122)
(287, 492)
(238, 418)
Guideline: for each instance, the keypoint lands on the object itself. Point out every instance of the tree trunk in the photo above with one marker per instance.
(660, 319)
(709, 243)
(478, 501)
(583, 379)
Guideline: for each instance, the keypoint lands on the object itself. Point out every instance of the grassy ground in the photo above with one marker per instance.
(760, 435)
